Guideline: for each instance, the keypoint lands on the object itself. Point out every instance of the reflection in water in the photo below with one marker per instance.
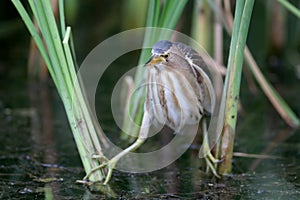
(42, 132)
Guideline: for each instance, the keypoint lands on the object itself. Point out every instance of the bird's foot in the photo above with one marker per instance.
(108, 165)
(210, 163)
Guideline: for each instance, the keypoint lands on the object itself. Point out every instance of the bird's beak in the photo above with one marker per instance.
(154, 60)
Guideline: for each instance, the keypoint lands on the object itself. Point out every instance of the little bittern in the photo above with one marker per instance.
(176, 81)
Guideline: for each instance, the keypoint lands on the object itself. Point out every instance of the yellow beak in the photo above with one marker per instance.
(154, 60)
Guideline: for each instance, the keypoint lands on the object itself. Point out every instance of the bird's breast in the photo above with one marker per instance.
(173, 97)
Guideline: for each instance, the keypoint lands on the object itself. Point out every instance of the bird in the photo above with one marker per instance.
(178, 84)
(179, 92)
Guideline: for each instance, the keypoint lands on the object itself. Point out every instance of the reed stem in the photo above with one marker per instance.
(60, 62)
(232, 82)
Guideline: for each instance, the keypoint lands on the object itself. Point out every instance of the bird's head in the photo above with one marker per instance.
(160, 52)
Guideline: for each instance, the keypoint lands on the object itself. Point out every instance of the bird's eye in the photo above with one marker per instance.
(165, 56)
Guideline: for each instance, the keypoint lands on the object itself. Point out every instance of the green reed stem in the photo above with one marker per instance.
(277, 101)
(59, 59)
(290, 7)
(61, 7)
(232, 81)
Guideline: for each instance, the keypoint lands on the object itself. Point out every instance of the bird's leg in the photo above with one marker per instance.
(110, 164)
(209, 158)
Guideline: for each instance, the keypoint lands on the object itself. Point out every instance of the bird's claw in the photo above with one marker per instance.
(106, 164)
(210, 163)
(210, 160)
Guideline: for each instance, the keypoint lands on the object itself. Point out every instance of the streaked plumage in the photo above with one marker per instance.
(179, 92)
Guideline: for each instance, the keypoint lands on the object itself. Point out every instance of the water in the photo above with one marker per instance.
(38, 157)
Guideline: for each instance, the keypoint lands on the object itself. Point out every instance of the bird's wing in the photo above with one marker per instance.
(200, 68)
